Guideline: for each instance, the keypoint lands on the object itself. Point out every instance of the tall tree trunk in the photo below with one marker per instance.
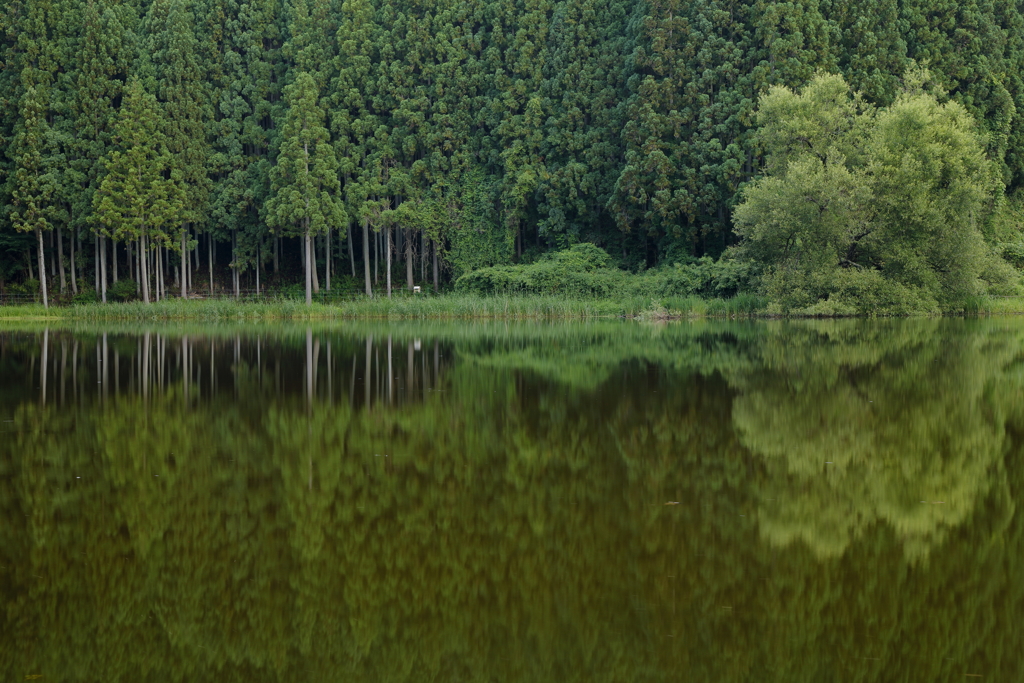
(366, 257)
(53, 257)
(28, 260)
(408, 259)
(74, 268)
(60, 259)
(327, 259)
(143, 271)
(96, 262)
(423, 256)
(257, 269)
(312, 264)
(376, 256)
(183, 283)
(234, 261)
(387, 257)
(209, 253)
(309, 257)
(351, 252)
(42, 267)
(113, 257)
(103, 268)
(434, 250)
(277, 252)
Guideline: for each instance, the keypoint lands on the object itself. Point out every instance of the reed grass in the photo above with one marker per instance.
(449, 306)
(436, 307)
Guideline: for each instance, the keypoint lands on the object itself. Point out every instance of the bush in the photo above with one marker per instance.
(868, 292)
(585, 270)
(123, 290)
(86, 295)
(29, 288)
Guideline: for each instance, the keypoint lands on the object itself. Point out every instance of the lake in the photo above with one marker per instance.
(614, 501)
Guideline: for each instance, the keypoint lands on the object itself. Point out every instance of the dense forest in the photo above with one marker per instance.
(228, 143)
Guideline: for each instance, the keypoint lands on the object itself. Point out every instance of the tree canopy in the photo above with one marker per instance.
(866, 208)
(488, 134)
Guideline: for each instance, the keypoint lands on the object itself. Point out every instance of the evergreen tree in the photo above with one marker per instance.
(33, 182)
(171, 69)
(139, 199)
(517, 110)
(353, 121)
(309, 49)
(868, 45)
(584, 81)
(242, 43)
(967, 49)
(304, 182)
(104, 53)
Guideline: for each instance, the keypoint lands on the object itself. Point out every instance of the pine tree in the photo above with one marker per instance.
(585, 85)
(353, 121)
(171, 69)
(34, 186)
(242, 45)
(104, 53)
(33, 54)
(968, 50)
(869, 48)
(304, 182)
(519, 108)
(138, 198)
(652, 192)
(309, 49)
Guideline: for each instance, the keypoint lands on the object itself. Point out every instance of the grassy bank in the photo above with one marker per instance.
(444, 307)
(453, 306)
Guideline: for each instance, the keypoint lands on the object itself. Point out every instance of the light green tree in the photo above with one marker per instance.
(304, 184)
(137, 199)
(865, 210)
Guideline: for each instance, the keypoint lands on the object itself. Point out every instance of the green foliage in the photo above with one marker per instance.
(585, 270)
(304, 191)
(30, 287)
(85, 296)
(494, 132)
(137, 199)
(869, 211)
(122, 290)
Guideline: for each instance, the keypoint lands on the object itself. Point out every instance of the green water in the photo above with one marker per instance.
(770, 501)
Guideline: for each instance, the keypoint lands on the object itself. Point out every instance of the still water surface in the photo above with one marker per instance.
(804, 501)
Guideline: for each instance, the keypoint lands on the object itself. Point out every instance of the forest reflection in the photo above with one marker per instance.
(719, 501)
(68, 369)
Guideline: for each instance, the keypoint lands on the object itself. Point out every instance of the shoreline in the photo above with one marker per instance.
(444, 307)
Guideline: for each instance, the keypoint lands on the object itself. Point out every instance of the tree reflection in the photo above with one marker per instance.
(480, 521)
(860, 423)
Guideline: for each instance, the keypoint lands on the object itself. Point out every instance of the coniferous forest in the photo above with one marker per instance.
(239, 144)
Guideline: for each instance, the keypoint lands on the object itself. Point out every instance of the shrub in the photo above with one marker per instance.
(123, 290)
(585, 270)
(86, 295)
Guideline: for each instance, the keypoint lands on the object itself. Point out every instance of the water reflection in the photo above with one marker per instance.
(429, 502)
(70, 369)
